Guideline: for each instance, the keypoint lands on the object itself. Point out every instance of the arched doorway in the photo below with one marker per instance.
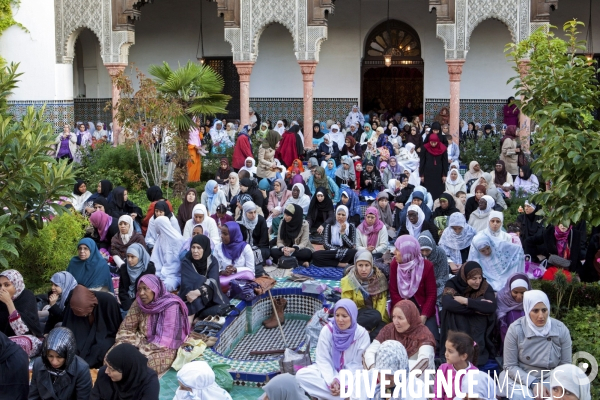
(392, 87)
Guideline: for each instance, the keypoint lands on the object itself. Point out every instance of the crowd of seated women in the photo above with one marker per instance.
(431, 279)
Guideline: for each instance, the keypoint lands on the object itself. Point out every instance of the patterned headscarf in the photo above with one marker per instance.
(410, 270)
(62, 341)
(67, 283)
(16, 279)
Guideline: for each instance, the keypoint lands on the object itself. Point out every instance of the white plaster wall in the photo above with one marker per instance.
(34, 51)
(96, 79)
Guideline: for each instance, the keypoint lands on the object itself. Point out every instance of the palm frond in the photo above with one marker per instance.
(160, 72)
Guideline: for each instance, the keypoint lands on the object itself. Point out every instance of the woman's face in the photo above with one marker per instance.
(113, 374)
(392, 162)
(363, 269)
(346, 166)
(413, 130)
(529, 209)
(7, 285)
(66, 129)
(295, 192)
(383, 203)
(320, 197)
(287, 218)
(158, 213)
(330, 164)
(315, 129)
(144, 293)
(347, 143)
(478, 195)
(216, 189)
(454, 175)
(370, 218)
(563, 228)
(457, 229)
(476, 167)
(517, 294)
(539, 314)
(198, 218)
(444, 204)
(251, 215)
(82, 128)
(486, 251)
(225, 235)
(82, 188)
(370, 168)
(475, 282)
(342, 319)
(367, 128)
(413, 217)
(482, 204)
(295, 163)
(345, 200)
(417, 202)
(132, 260)
(123, 227)
(326, 141)
(223, 165)
(55, 359)
(471, 127)
(277, 187)
(399, 320)
(56, 289)
(318, 175)
(340, 216)
(243, 188)
(99, 188)
(198, 230)
(560, 393)
(84, 252)
(495, 224)
(197, 251)
(191, 197)
(425, 252)
(498, 167)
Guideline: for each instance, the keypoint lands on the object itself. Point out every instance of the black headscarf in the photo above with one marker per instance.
(289, 231)
(439, 212)
(184, 214)
(253, 191)
(201, 265)
(318, 134)
(76, 191)
(500, 177)
(128, 360)
(106, 187)
(103, 202)
(14, 370)
(154, 193)
(526, 172)
(299, 143)
(118, 198)
(163, 206)
(322, 206)
(62, 341)
(458, 284)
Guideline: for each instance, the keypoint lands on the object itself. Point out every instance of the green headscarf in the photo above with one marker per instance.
(273, 137)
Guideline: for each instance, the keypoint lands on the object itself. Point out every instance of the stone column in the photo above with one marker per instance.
(244, 69)
(524, 120)
(455, 71)
(308, 73)
(115, 69)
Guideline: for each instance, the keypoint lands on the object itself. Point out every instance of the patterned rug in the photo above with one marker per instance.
(330, 273)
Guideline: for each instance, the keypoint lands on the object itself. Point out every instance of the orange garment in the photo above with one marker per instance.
(194, 165)
(300, 166)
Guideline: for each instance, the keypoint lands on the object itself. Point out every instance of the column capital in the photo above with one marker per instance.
(115, 69)
(244, 69)
(455, 69)
(308, 69)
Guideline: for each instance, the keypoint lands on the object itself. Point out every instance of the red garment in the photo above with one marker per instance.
(426, 294)
(437, 150)
(150, 214)
(241, 151)
(358, 173)
(287, 152)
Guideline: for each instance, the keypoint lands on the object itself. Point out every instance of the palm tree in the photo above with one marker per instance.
(197, 88)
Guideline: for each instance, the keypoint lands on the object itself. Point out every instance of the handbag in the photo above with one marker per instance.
(242, 289)
(292, 360)
(287, 262)
(265, 283)
(559, 261)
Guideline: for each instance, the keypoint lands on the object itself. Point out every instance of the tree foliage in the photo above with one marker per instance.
(560, 91)
(485, 150)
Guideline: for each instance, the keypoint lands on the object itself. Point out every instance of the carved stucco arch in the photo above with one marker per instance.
(512, 28)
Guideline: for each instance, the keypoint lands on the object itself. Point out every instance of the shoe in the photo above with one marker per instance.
(269, 262)
(218, 320)
(280, 305)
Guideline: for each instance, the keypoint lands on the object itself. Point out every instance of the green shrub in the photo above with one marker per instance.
(119, 165)
(583, 294)
(486, 151)
(50, 251)
(211, 163)
(584, 324)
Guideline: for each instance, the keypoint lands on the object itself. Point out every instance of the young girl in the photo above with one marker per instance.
(461, 353)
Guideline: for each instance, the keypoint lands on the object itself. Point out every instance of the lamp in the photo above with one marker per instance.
(200, 45)
(589, 47)
(387, 56)
(387, 59)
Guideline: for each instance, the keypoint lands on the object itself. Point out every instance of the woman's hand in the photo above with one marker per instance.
(335, 388)
(52, 299)
(461, 300)
(454, 267)
(320, 230)
(423, 319)
(5, 298)
(229, 270)
(422, 179)
(370, 248)
(133, 215)
(89, 210)
(343, 228)
(192, 295)
(443, 179)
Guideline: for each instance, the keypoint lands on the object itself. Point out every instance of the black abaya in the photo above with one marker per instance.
(26, 306)
(433, 168)
(14, 370)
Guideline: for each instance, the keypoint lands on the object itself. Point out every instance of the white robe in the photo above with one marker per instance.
(245, 261)
(79, 201)
(211, 230)
(151, 234)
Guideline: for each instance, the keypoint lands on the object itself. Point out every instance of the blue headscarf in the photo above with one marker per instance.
(209, 189)
(245, 131)
(353, 202)
(93, 272)
(324, 127)
(330, 173)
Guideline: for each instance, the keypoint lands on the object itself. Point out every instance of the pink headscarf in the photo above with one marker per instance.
(410, 271)
(167, 326)
(194, 137)
(372, 232)
(101, 221)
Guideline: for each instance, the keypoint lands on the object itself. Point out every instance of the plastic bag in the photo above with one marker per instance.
(222, 376)
(315, 324)
(188, 351)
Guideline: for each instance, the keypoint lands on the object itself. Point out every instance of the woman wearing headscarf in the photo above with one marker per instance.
(194, 164)
(433, 166)
(320, 179)
(165, 254)
(498, 259)
(349, 199)
(89, 268)
(249, 187)
(250, 166)
(351, 149)
(415, 138)
(328, 150)
(212, 197)
(267, 168)
(455, 183)
(370, 181)
(14, 370)
(416, 224)
(201, 217)
(197, 382)
(256, 233)
(531, 221)
(416, 198)
(222, 174)
(232, 189)
(126, 376)
(120, 205)
(487, 182)
(371, 153)
(184, 213)
(330, 168)
(474, 172)
(104, 190)
(279, 127)
(534, 343)
(138, 264)
(479, 219)
(526, 183)
(446, 207)
(284, 387)
(63, 284)
(562, 242)
(510, 150)
(494, 229)
(161, 209)
(354, 117)
(105, 227)
(125, 238)
(345, 174)
(319, 211)
(94, 319)
(456, 241)
(469, 306)
(154, 195)
(382, 205)
(79, 196)
(293, 236)
(430, 251)
(372, 235)
(569, 382)
(318, 134)
(156, 324)
(59, 373)
(366, 135)
(339, 241)
(235, 257)
(394, 168)
(18, 312)
(220, 139)
(242, 150)
(392, 356)
(341, 345)
(510, 301)
(298, 197)
(200, 288)
(278, 197)
(367, 287)
(287, 151)
(412, 278)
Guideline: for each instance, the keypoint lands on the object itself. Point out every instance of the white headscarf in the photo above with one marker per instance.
(339, 137)
(127, 237)
(198, 376)
(573, 379)
(500, 235)
(336, 234)
(247, 207)
(490, 205)
(530, 299)
(303, 200)
(329, 142)
(415, 229)
(165, 254)
(278, 129)
(452, 243)
(251, 169)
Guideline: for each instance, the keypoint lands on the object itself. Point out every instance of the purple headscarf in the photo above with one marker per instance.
(236, 242)
(506, 303)
(342, 339)
(297, 179)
